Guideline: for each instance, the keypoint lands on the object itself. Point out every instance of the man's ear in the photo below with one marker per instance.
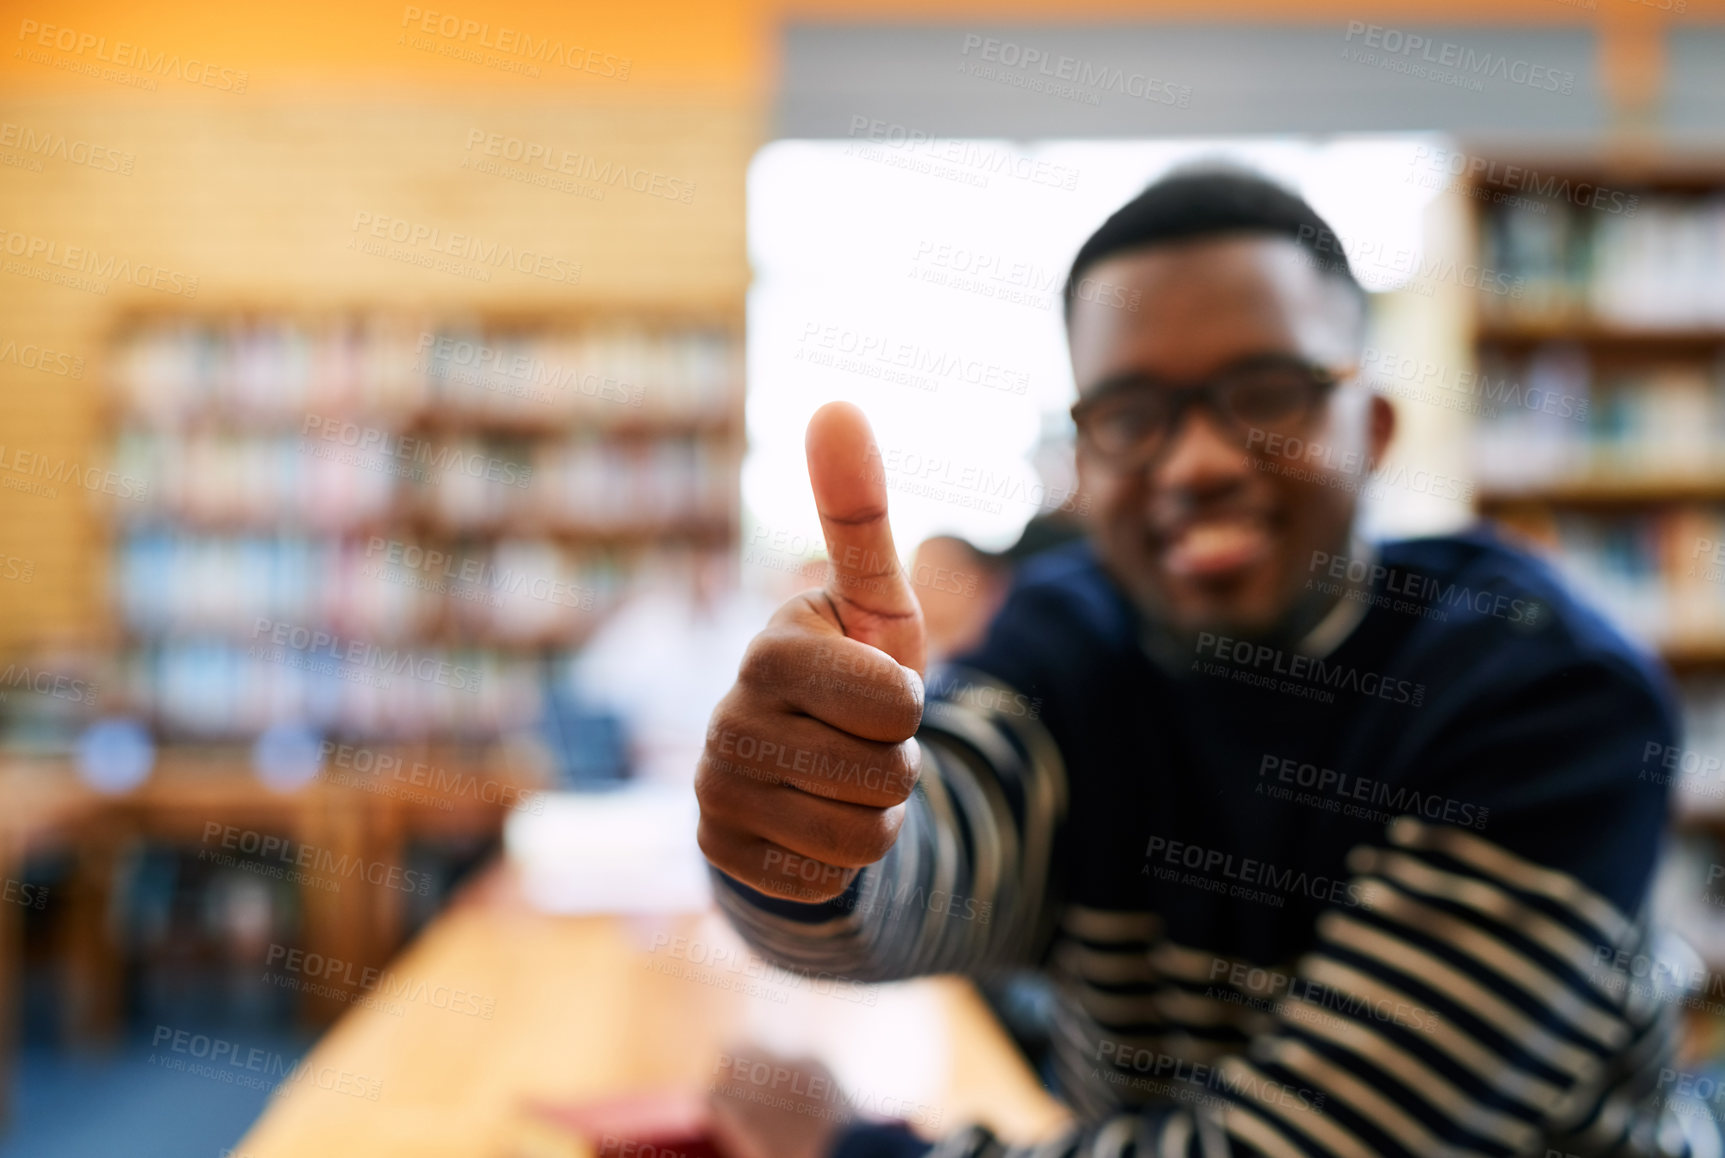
(1381, 420)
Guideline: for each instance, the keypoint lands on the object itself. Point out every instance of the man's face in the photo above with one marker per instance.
(1216, 531)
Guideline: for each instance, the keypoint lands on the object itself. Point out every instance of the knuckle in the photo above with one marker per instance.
(761, 664)
(876, 838)
(904, 717)
(907, 770)
(865, 838)
(715, 845)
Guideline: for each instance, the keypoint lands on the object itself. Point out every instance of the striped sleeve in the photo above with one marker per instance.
(968, 885)
(1458, 1008)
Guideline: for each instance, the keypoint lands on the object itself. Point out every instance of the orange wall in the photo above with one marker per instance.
(253, 192)
(675, 46)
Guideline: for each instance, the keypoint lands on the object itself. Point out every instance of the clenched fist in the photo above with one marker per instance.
(809, 759)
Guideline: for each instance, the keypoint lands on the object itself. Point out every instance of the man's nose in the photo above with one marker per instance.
(1201, 454)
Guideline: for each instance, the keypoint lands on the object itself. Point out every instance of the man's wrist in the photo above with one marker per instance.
(807, 912)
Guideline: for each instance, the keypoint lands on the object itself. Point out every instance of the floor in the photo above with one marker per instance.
(123, 1102)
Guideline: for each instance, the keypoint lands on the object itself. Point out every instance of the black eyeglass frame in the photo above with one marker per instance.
(1208, 393)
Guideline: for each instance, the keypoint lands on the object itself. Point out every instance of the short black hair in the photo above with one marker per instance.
(1212, 201)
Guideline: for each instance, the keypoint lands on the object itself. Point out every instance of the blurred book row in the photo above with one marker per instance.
(1554, 416)
(1655, 261)
(211, 688)
(380, 588)
(577, 480)
(273, 372)
(1659, 574)
(380, 526)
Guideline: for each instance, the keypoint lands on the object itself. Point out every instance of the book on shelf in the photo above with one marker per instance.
(1555, 417)
(384, 526)
(1658, 263)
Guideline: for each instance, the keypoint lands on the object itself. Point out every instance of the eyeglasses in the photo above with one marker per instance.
(1130, 419)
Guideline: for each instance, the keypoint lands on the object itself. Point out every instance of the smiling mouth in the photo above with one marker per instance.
(1217, 548)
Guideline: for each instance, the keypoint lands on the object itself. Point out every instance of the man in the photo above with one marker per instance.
(1328, 849)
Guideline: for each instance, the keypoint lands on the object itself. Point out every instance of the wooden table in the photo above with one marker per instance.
(587, 1007)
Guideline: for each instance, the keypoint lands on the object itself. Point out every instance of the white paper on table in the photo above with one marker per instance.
(626, 850)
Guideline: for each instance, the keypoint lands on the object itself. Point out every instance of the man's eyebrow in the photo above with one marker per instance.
(1128, 379)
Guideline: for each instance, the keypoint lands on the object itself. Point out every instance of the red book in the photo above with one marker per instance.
(653, 1124)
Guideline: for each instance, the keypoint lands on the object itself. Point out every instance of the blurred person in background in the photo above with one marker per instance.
(956, 614)
(1328, 847)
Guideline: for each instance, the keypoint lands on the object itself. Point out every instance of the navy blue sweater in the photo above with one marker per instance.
(1367, 895)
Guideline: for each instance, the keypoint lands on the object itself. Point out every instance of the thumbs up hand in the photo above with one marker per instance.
(809, 758)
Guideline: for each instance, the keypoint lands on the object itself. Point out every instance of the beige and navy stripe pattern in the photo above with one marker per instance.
(1458, 1010)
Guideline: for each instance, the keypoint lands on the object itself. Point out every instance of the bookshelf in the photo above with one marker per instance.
(392, 531)
(462, 496)
(1601, 437)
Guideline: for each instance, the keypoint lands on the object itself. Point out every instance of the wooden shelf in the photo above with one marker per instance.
(622, 425)
(692, 531)
(1609, 492)
(1603, 338)
(619, 422)
(1703, 655)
